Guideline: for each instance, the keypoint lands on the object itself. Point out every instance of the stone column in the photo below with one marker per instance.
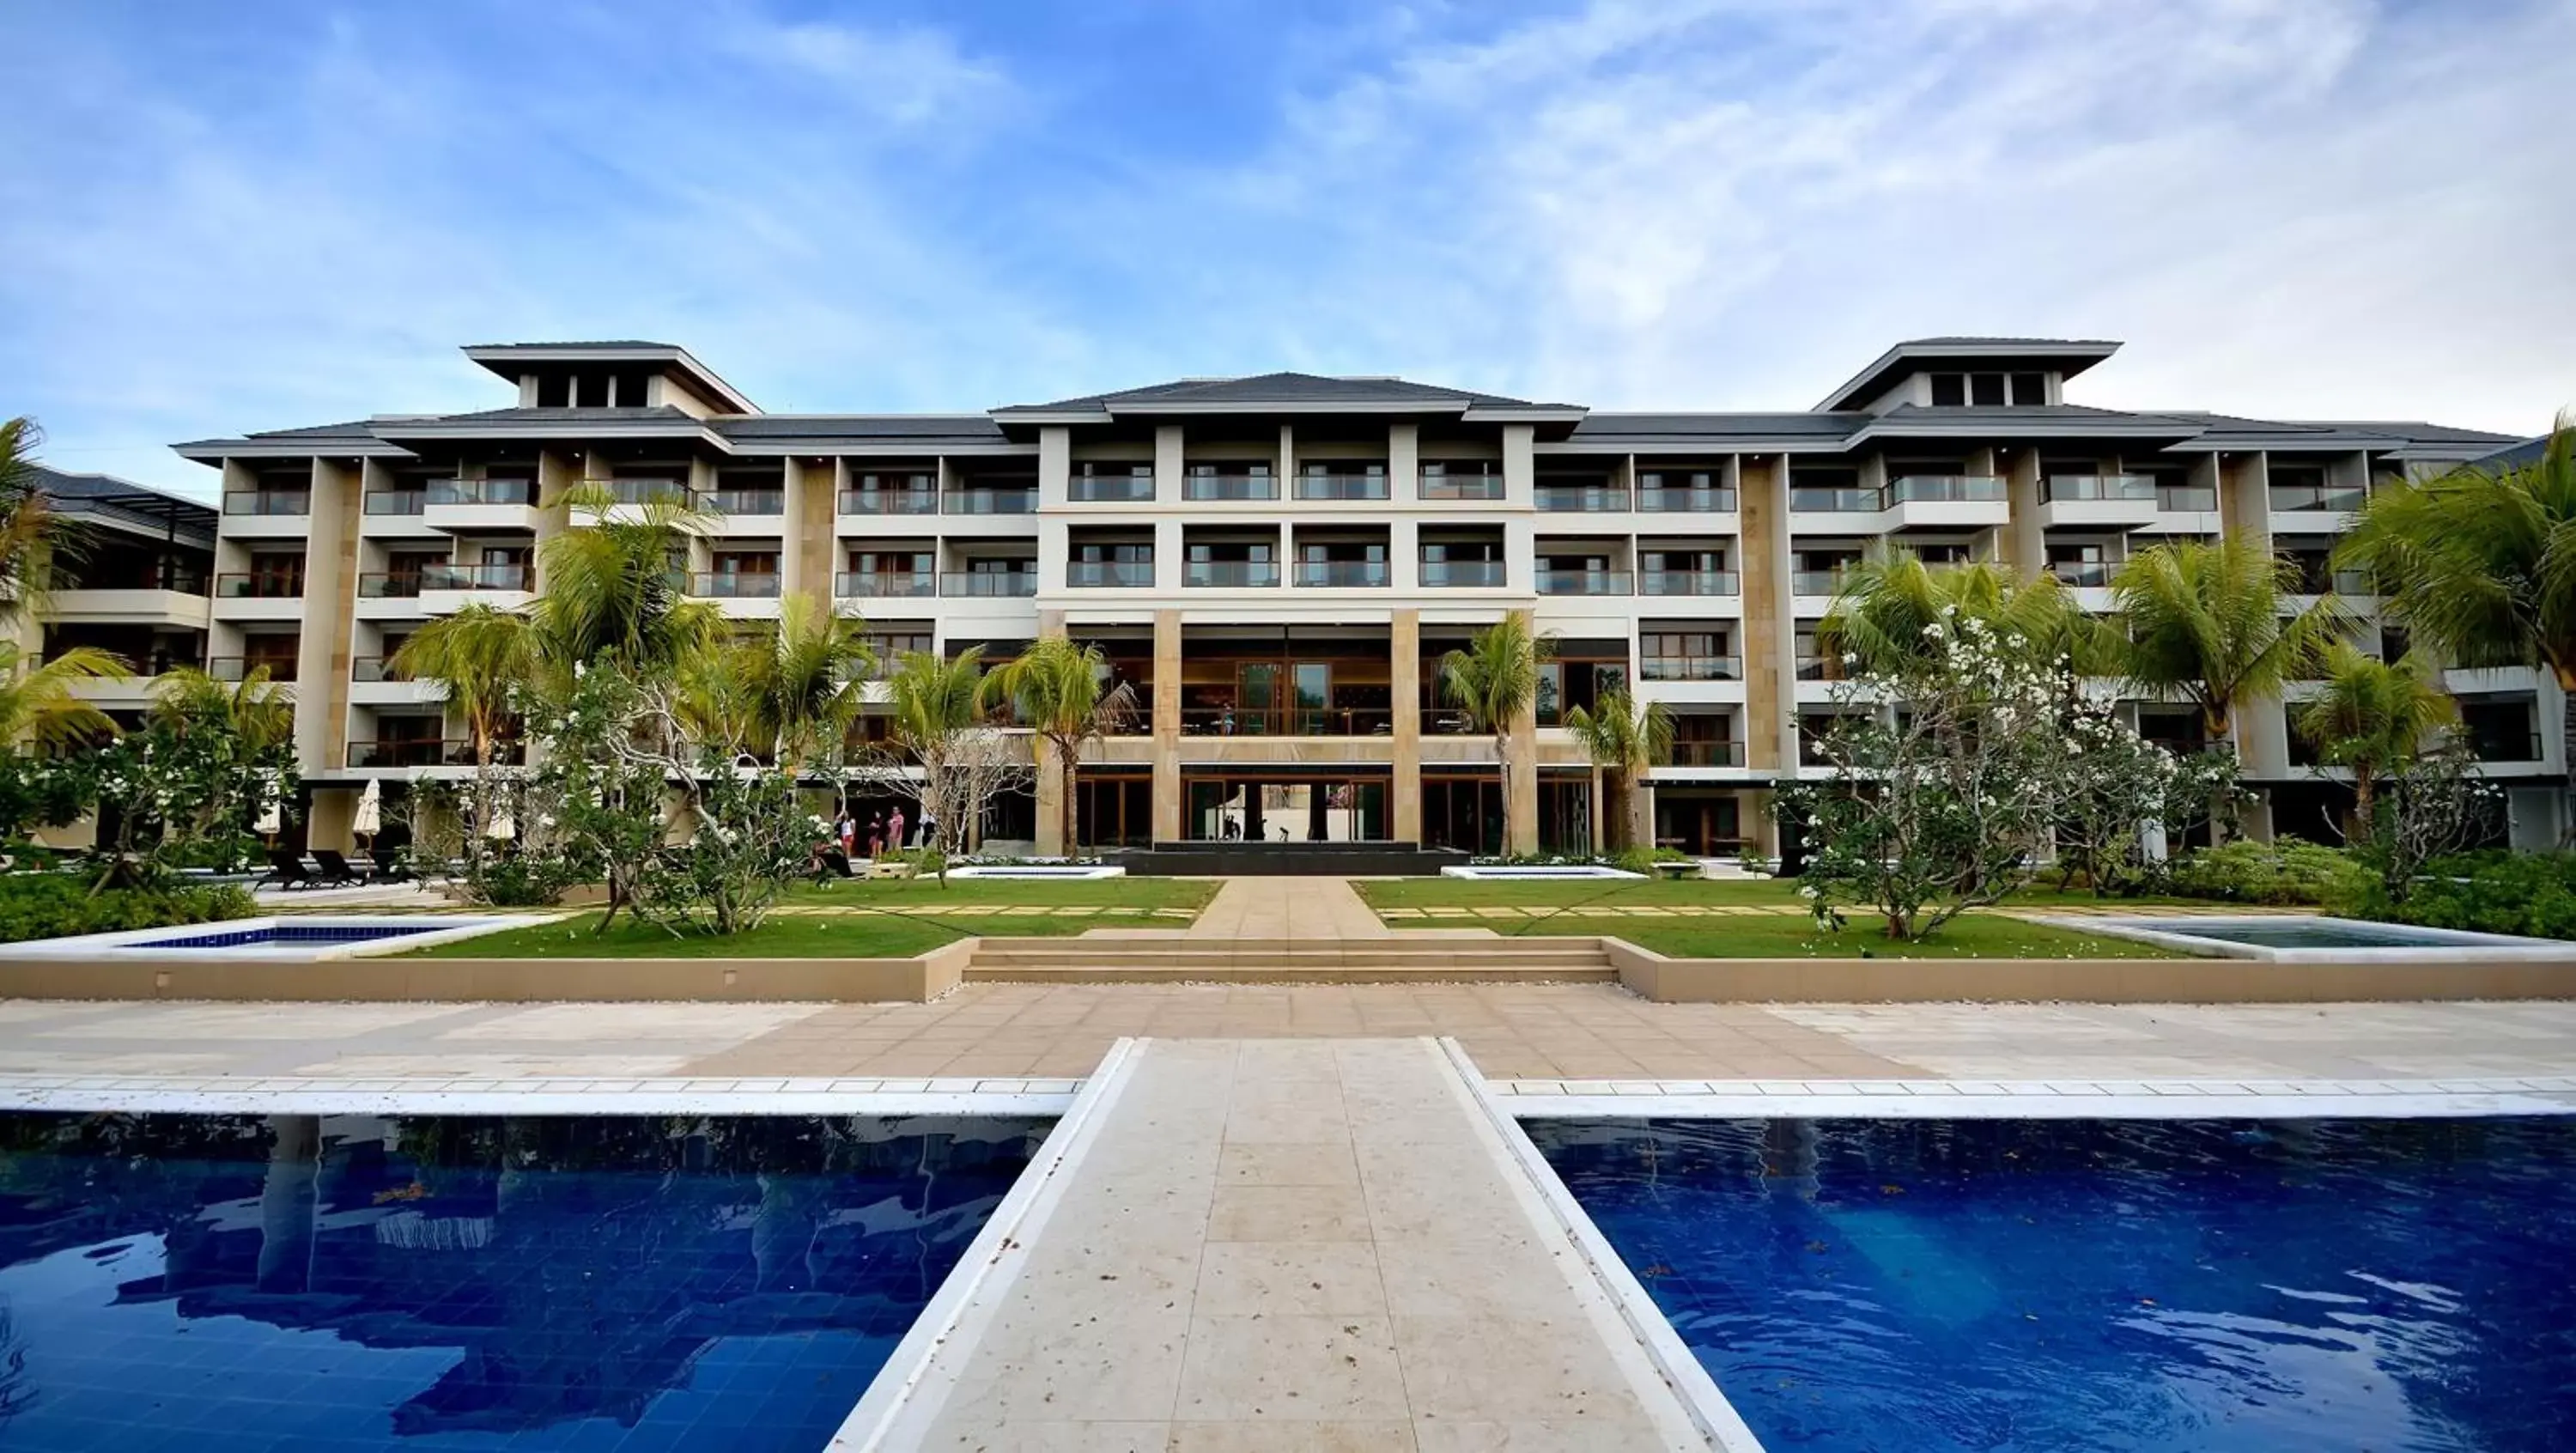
(330, 606)
(2025, 544)
(1403, 462)
(1168, 802)
(1404, 696)
(1520, 785)
(1050, 781)
(1170, 466)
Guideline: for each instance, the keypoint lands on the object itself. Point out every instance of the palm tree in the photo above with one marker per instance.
(1493, 681)
(2479, 564)
(1880, 615)
(2204, 622)
(1060, 691)
(32, 535)
(482, 655)
(256, 711)
(2369, 716)
(614, 595)
(40, 702)
(1623, 740)
(802, 678)
(934, 702)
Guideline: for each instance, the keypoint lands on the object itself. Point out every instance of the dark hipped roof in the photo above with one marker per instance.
(505, 358)
(2067, 356)
(110, 500)
(1280, 391)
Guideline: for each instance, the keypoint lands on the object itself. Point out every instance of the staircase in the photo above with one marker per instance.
(1393, 960)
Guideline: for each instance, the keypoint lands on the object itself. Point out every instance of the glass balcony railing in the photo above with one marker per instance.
(990, 583)
(754, 501)
(1945, 489)
(889, 501)
(395, 502)
(1230, 487)
(1118, 489)
(1697, 500)
(1845, 500)
(504, 576)
(2087, 573)
(1816, 582)
(1689, 582)
(2086, 488)
(373, 669)
(1580, 499)
(2186, 498)
(1584, 582)
(238, 668)
(1341, 486)
(389, 585)
(991, 502)
(642, 491)
(1690, 668)
(2325, 499)
(483, 492)
(1110, 574)
(417, 752)
(1708, 754)
(181, 579)
(1230, 574)
(1455, 574)
(735, 584)
(269, 502)
(1286, 721)
(261, 585)
(883, 584)
(1341, 574)
(1462, 486)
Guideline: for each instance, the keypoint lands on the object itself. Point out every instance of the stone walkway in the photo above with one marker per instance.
(1276, 1244)
(1287, 908)
(1512, 1032)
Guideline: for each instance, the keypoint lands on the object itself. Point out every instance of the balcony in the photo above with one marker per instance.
(889, 501)
(2326, 499)
(2084, 574)
(1341, 486)
(374, 670)
(643, 491)
(991, 502)
(459, 492)
(1287, 721)
(1462, 486)
(395, 502)
(1833, 500)
(1461, 574)
(453, 752)
(1109, 574)
(735, 584)
(2186, 499)
(990, 584)
(389, 585)
(257, 502)
(1714, 499)
(238, 668)
(2097, 500)
(1229, 488)
(756, 501)
(884, 584)
(1707, 754)
(169, 597)
(1818, 582)
(1230, 574)
(1584, 582)
(502, 576)
(1102, 489)
(1947, 501)
(1588, 499)
(1341, 574)
(1690, 582)
(1690, 668)
(260, 585)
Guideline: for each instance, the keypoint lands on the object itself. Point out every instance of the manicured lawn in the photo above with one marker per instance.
(1736, 935)
(894, 917)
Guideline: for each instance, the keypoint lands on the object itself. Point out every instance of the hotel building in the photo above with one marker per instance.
(1277, 563)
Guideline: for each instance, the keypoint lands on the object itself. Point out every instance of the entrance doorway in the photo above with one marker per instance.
(1255, 810)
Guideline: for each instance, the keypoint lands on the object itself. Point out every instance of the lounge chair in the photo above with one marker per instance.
(390, 867)
(285, 870)
(832, 863)
(336, 872)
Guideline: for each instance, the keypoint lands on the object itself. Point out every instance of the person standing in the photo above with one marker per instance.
(894, 829)
(876, 836)
(849, 834)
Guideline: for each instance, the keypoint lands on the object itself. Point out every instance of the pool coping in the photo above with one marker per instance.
(2453, 946)
(560, 1095)
(139, 941)
(2070, 1099)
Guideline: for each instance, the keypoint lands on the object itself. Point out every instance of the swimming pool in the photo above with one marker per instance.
(2015, 1286)
(237, 1282)
(2313, 938)
(292, 936)
(1536, 870)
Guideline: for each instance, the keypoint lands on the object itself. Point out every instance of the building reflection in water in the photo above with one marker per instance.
(576, 1275)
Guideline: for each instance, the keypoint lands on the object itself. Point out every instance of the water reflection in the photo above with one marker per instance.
(352, 1281)
(1999, 1285)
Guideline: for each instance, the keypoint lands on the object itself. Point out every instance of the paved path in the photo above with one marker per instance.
(1293, 1244)
(1513, 1031)
(1274, 908)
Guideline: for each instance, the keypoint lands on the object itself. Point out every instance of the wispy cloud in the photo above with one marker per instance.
(2300, 207)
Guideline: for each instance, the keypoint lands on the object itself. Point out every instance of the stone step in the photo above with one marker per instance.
(1240, 972)
(1348, 958)
(1388, 949)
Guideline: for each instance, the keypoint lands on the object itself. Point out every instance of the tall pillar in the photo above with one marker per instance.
(1404, 695)
(1520, 784)
(1167, 726)
(2025, 544)
(1050, 778)
(805, 554)
(1170, 466)
(330, 605)
(1403, 461)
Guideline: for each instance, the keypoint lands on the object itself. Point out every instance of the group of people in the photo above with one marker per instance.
(885, 833)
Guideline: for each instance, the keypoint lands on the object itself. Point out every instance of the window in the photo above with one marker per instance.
(1986, 390)
(1949, 390)
(2029, 390)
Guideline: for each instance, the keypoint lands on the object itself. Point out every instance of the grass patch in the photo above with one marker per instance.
(1780, 935)
(876, 918)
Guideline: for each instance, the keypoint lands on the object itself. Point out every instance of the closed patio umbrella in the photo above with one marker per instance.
(369, 819)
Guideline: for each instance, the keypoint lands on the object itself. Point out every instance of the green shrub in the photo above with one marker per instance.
(2288, 872)
(54, 905)
(223, 852)
(2532, 894)
(522, 880)
(1635, 859)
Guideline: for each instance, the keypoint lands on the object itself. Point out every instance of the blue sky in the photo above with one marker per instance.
(217, 218)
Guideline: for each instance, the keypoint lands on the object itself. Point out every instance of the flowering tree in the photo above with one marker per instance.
(2123, 800)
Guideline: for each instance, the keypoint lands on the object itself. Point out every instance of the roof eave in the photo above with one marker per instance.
(2082, 352)
(216, 451)
(493, 355)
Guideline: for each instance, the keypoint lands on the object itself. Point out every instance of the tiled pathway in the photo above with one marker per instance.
(1563, 1031)
(1287, 908)
(1292, 1244)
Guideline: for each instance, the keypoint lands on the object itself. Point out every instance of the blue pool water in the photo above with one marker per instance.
(294, 1284)
(306, 932)
(2050, 1285)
